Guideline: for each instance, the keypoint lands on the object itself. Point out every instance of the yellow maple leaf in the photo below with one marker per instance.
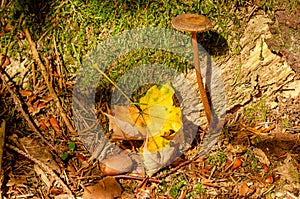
(158, 113)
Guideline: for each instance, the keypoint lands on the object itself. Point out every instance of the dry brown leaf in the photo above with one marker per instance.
(43, 126)
(244, 189)
(123, 126)
(4, 61)
(46, 99)
(25, 93)
(261, 156)
(123, 130)
(54, 123)
(237, 163)
(107, 188)
(117, 164)
(80, 157)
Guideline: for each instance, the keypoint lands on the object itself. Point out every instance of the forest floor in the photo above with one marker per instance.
(42, 154)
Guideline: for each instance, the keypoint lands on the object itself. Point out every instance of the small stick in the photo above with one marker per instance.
(2, 142)
(33, 74)
(44, 167)
(46, 78)
(137, 178)
(59, 65)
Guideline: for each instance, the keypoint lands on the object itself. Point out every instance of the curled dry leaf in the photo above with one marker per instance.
(117, 164)
(107, 188)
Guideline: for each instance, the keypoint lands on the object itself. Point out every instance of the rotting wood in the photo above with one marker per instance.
(258, 72)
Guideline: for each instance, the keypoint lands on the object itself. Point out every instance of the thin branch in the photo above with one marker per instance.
(46, 78)
(137, 178)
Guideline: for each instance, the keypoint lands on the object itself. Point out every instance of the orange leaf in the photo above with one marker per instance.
(47, 123)
(80, 157)
(227, 163)
(266, 168)
(237, 163)
(44, 127)
(4, 60)
(42, 105)
(54, 124)
(244, 189)
(25, 93)
(47, 99)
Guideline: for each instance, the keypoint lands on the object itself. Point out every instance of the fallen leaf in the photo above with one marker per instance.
(80, 157)
(261, 156)
(46, 99)
(54, 123)
(244, 189)
(237, 163)
(44, 127)
(4, 61)
(123, 130)
(26, 93)
(265, 168)
(107, 188)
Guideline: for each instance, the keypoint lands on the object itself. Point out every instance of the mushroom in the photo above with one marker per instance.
(195, 23)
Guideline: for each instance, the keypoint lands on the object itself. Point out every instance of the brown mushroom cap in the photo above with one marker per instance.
(191, 23)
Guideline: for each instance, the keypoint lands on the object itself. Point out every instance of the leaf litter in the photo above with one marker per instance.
(281, 150)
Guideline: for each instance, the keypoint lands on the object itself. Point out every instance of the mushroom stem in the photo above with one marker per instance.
(204, 98)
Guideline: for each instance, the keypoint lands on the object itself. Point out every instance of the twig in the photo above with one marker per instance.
(2, 141)
(18, 102)
(59, 65)
(33, 74)
(46, 78)
(44, 167)
(137, 178)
